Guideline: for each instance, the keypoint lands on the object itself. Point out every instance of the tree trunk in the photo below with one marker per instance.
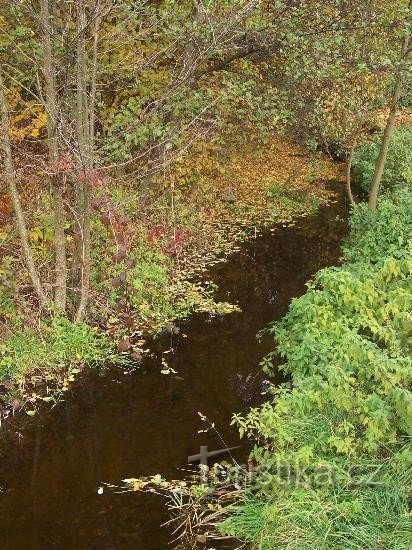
(93, 84)
(11, 181)
(84, 130)
(348, 173)
(390, 123)
(57, 190)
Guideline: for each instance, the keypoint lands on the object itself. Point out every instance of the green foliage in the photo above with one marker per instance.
(147, 284)
(376, 235)
(347, 348)
(7, 303)
(406, 100)
(398, 165)
(61, 348)
(288, 195)
(9, 313)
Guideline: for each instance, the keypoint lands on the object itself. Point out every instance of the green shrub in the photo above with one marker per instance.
(346, 343)
(406, 100)
(147, 281)
(7, 304)
(398, 165)
(9, 312)
(376, 235)
(347, 348)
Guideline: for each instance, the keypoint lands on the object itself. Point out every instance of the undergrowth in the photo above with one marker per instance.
(333, 451)
(147, 285)
(49, 356)
(398, 165)
(149, 261)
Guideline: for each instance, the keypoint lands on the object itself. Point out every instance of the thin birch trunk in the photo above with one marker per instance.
(348, 173)
(85, 127)
(390, 123)
(51, 105)
(11, 181)
(93, 85)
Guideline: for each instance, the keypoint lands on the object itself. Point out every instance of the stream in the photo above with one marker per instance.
(114, 425)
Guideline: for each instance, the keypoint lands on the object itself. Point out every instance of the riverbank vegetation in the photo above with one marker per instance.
(398, 162)
(333, 444)
(331, 465)
(141, 141)
(162, 279)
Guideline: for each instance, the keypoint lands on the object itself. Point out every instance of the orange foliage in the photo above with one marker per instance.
(5, 207)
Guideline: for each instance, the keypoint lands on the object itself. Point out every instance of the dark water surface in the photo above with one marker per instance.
(115, 425)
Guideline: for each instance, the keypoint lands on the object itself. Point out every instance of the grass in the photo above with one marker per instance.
(372, 512)
(49, 356)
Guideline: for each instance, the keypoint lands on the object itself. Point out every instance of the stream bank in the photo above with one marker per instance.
(117, 425)
(150, 258)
